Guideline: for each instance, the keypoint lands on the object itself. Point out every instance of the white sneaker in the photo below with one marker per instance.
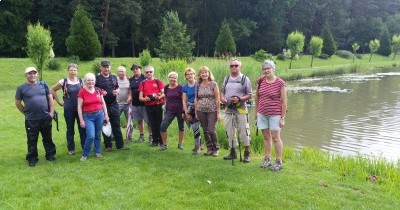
(83, 158)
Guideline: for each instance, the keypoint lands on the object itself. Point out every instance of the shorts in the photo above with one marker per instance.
(268, 122)
(139, 113)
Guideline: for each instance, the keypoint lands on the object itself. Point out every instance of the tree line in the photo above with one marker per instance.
(127, 27)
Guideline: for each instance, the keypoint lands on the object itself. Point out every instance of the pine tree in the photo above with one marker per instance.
(329, 46)
(175, 43)
(385, 43)
(225, 44)
(82, 40)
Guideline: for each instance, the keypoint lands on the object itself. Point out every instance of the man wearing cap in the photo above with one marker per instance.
(109, 84)
(138, 109)
(122, 97)
(35, 101)
(235, 92)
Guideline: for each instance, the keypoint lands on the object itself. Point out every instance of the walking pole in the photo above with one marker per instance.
(232, 140)
(240, 150)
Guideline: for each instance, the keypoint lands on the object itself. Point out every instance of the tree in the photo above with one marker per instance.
(373, 47)
(295, 42)
(355, 47)
(329, 46)
(395, 45)
(82, 40)
(39, 45)
(175, 43)
(316, 44)
(385, 43)
(225, 44)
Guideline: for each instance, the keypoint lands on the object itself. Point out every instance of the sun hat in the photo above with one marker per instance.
(29, 69)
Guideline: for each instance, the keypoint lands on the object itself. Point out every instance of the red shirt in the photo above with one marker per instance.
(150, 87)
(91, 101)
(269, 95)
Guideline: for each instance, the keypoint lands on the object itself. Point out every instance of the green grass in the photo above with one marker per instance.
(143, 178)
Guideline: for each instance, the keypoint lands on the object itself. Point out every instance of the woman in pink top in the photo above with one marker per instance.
(271, 106)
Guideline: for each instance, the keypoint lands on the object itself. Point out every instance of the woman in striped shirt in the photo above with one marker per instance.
(271, 105)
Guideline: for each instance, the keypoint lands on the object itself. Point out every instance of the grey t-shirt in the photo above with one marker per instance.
(122, 97)
(234, 87)
(35, 100)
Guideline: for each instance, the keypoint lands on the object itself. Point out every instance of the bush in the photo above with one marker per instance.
(96, 68)
(281, 57)
(261, 55)
(53, 64)
(73, 59)
(359, 56)
(323, 56)
(176, 65)
(145, 57)
(345, 54)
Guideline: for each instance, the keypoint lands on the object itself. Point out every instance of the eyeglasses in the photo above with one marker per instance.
(234, 65)
(189, 74)
(267, 68)
(148, 72)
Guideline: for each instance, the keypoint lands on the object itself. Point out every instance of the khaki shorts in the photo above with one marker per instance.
(237, 124)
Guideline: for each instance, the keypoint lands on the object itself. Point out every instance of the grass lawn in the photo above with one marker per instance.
(144, 178)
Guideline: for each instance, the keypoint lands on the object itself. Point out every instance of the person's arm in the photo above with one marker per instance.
(19, 105)
(51, 105)
(103, 103)
(54, 90)
(80, 115)
(283, 105)
(184, 104)
(217, 98)
(223, 99)
(129, 100)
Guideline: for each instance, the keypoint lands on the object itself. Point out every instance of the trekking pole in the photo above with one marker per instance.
(232, 140)
(240, 150)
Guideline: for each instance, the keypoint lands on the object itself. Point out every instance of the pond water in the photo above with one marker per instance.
(349, 115)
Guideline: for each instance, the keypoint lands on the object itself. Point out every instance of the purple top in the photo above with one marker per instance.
(174, 99)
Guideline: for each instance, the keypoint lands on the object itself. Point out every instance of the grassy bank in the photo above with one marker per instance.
(147, 179)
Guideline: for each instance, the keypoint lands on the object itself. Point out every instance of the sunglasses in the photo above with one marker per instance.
(235, 65)
(148, 72)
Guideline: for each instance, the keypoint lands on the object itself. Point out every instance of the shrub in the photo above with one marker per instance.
(261, 55)
(344, 54)
(281, 57)
(53, 64)
(359, 56)
(176, 65)
(324, 56)
(73, 59)
(145, 57)
(96, 67)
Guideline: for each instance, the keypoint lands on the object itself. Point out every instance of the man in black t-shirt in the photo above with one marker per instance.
(109, 84)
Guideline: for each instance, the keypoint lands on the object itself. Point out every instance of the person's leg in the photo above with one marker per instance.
(263, 125)
(152, 112)
(98, 124)
(69, 116)
(32, 134)
(90, 133)
(276, 136)
(46, 131)
(212, 121)
(204, 125)
(168, 117)
(82, 131)
(158, 118)
(230, 129)
(181, 127)
(115, 120)
(244, 134)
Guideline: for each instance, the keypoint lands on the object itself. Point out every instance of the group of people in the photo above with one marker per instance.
(102, 98)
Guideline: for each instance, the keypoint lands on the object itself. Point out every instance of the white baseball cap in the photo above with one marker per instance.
(29, 69)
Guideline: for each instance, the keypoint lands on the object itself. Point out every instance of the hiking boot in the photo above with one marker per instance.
(141, 139)
(215, 153)
(267, 163)
(232, 156)
(208, 153)
(150, 139)
(83, 158)
(99, 155)
(196, 150)
(108, 149)
(277, 165)
(246, 157)
(163, 147)
(180, 146)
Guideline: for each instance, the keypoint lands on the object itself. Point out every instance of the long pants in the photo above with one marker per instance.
(113, 114)
(33, 127)
(124, 108)
(155, 115)
(70, 117)
(237, 123)
(93, 123)
(208, 121)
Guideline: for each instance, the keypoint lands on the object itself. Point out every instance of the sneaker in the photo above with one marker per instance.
(141, 139)
(215, 153)
(180, 146)
(108, 149)
(99, 155)
(208, 153)
(150, 139)
(83, 158)
(246, 157)
(196, 150)
(31, 164)
(267, 163)
(277, 166)
(51, 158)
(232, 156)
(72, 152)
(163, 147)
(153, 145)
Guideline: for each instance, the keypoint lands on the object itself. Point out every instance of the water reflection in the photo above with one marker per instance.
(348, 114)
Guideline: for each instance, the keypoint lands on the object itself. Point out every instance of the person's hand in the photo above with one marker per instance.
(115, 92)
(51, 114)
(281, 122)
(104, 93)
(107, 119)
(82, 124)
(235, 99)
(223, 100)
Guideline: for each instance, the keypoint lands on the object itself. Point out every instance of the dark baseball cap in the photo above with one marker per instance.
(105, 63)
(135, 66)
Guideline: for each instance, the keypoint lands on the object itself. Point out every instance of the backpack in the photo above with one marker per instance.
(242, 81)
(65, 89)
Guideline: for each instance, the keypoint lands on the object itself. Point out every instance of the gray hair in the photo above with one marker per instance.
(149, 68)
(173, 73)
(72, 65)
(235, 59)
(268, 63)
(89, 76)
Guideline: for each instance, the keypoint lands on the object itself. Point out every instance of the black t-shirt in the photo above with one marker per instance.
(108, 84)
(134, 86)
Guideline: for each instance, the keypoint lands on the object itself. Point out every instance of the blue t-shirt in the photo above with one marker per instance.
(190, 92)
(34, 97)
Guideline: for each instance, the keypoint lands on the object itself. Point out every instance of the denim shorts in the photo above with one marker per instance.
(268, 122)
